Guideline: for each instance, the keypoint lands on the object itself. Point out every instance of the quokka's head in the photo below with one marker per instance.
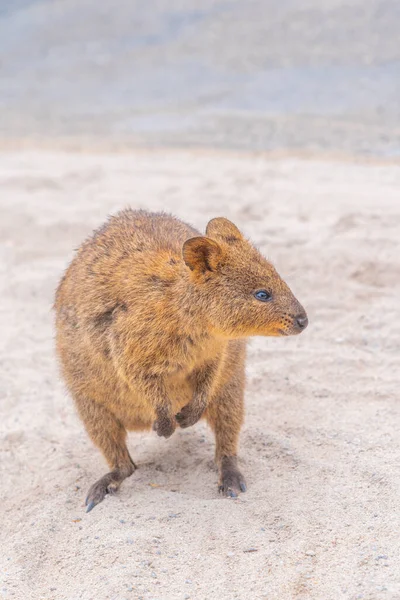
(240, 290)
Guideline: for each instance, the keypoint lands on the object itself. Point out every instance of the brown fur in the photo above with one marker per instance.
(152, 320)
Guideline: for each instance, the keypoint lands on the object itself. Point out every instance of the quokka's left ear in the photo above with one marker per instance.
(221, 228)
(202, 254)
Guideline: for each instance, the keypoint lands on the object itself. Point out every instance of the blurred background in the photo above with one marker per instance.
(295, 75)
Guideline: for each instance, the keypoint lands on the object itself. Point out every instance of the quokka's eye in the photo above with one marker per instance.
(263, 295)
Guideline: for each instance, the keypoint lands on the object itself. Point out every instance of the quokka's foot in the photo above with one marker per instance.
(108, 484)
(232, 481)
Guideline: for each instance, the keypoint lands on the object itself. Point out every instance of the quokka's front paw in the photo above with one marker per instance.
(188, 415)
(164, 426)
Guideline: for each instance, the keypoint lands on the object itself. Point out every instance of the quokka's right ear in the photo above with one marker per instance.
(201, 254)
(221, 228)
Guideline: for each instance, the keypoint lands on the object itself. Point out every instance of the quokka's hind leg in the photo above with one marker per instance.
(225, 417)
(109, 435)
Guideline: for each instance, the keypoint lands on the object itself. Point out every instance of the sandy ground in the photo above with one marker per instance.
(320, 446)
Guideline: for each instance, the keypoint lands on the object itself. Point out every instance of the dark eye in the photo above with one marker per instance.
(263, 295)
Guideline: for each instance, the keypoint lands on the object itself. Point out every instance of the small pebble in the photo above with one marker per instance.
(310, 553)
(154, 575)
(186, 596)
(251, 550)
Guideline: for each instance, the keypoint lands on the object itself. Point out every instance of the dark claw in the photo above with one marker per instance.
(229, 492)
(90, 506)
(243, 487)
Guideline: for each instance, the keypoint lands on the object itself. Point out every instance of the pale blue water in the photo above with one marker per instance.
(256, 75)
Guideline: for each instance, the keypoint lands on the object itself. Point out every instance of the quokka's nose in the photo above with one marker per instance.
(302, 321)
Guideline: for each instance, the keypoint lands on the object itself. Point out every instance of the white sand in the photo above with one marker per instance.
(320, 447)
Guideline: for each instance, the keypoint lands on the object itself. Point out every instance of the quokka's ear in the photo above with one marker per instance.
(221, 228)
(202, 254)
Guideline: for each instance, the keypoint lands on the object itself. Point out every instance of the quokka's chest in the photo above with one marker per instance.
(193, 354)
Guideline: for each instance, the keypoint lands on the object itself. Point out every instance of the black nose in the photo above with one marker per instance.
(302, 321)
